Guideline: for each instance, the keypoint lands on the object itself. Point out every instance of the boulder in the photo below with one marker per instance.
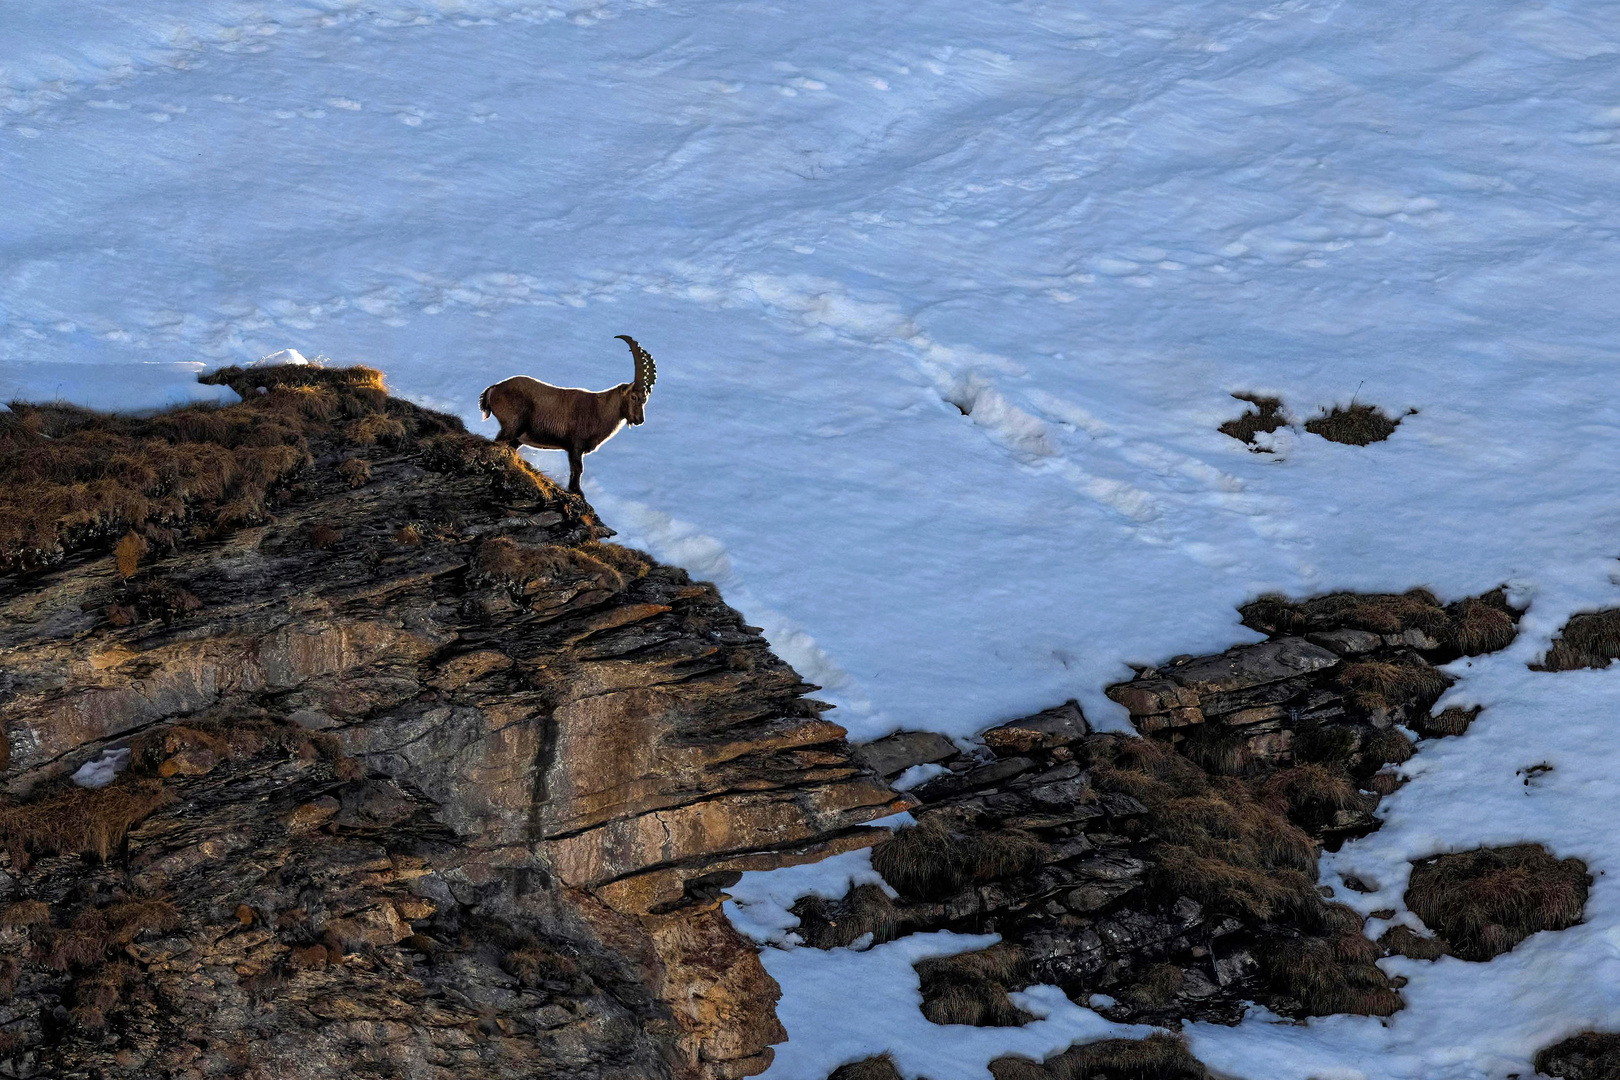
(894, 754)
(1253, 665)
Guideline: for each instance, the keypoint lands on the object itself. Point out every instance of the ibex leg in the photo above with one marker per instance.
(576, 463)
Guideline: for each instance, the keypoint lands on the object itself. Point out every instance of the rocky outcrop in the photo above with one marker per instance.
(1175, 874)
(1590, 1055)
(423, 777)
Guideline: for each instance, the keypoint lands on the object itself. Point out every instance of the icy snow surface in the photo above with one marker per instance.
(947, 299)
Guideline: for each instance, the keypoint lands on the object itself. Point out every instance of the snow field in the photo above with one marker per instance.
(947, 301)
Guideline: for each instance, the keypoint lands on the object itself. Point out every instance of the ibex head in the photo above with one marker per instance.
(646, 374)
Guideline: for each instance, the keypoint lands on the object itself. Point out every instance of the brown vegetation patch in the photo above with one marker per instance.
(1157, 1057)
(1224, 753)
(1452, 721)
(1157, 986)
(836, 924)
(1332, 973)
(878, 1067)
(1386, 747)
(25, 913)
(517, 483)
(1213, 841)
(1482, 624)
(94, 932)
(944, 853)
(153, 481)
(88, 821)
(1404, 941)
(1311, 796)
(1486, 901)
(1590, 1055)
(1376, 685)
(1467, 627)
(971, 988)
(1356, 425)
(1265, 416)
(355, 471)
(1381, 613)
(1588, 640)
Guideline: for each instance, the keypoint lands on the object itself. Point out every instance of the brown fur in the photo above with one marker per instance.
(566, 418)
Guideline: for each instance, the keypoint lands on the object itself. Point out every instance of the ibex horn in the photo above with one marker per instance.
(646, 370)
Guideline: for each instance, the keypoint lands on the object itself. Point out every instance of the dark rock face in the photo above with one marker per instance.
(1096, 857)
(1591, 1055)
(425, 780)
(1175, 874)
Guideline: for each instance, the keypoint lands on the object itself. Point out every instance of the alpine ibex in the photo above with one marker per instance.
(566, 418)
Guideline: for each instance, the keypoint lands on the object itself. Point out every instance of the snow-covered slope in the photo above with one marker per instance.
(947, 300)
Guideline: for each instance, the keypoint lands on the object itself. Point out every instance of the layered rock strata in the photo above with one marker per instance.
(423, 779)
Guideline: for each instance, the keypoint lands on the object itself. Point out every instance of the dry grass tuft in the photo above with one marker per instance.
(1486, 901)
(1380, 613)
(78, 820)
(1588, 640)
(409, 535)
(630, 563)
(461, 454)
(1468, 627)
(1157, 1057)
(1482, 624)
(1213, 840)
(1452, 721)
(1387, 684)
(879, 1067)
(189, 471)
(971, 988)
(1266, 416)
(944, 853)
(1404, 941)
(1590, 1055)
(94, 932)
(1356, 425)
(355, 471)
(1214, 750)
(1333, 974)
(1156, 987)
(376, 428)
(1310, 796)
(127, 554)
(1386, 747)
(25, 913)
(835, 924)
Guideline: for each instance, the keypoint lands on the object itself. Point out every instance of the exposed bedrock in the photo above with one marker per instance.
(423, 778)
(1176, 873)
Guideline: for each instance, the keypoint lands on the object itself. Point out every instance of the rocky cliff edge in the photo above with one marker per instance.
(411, 773)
